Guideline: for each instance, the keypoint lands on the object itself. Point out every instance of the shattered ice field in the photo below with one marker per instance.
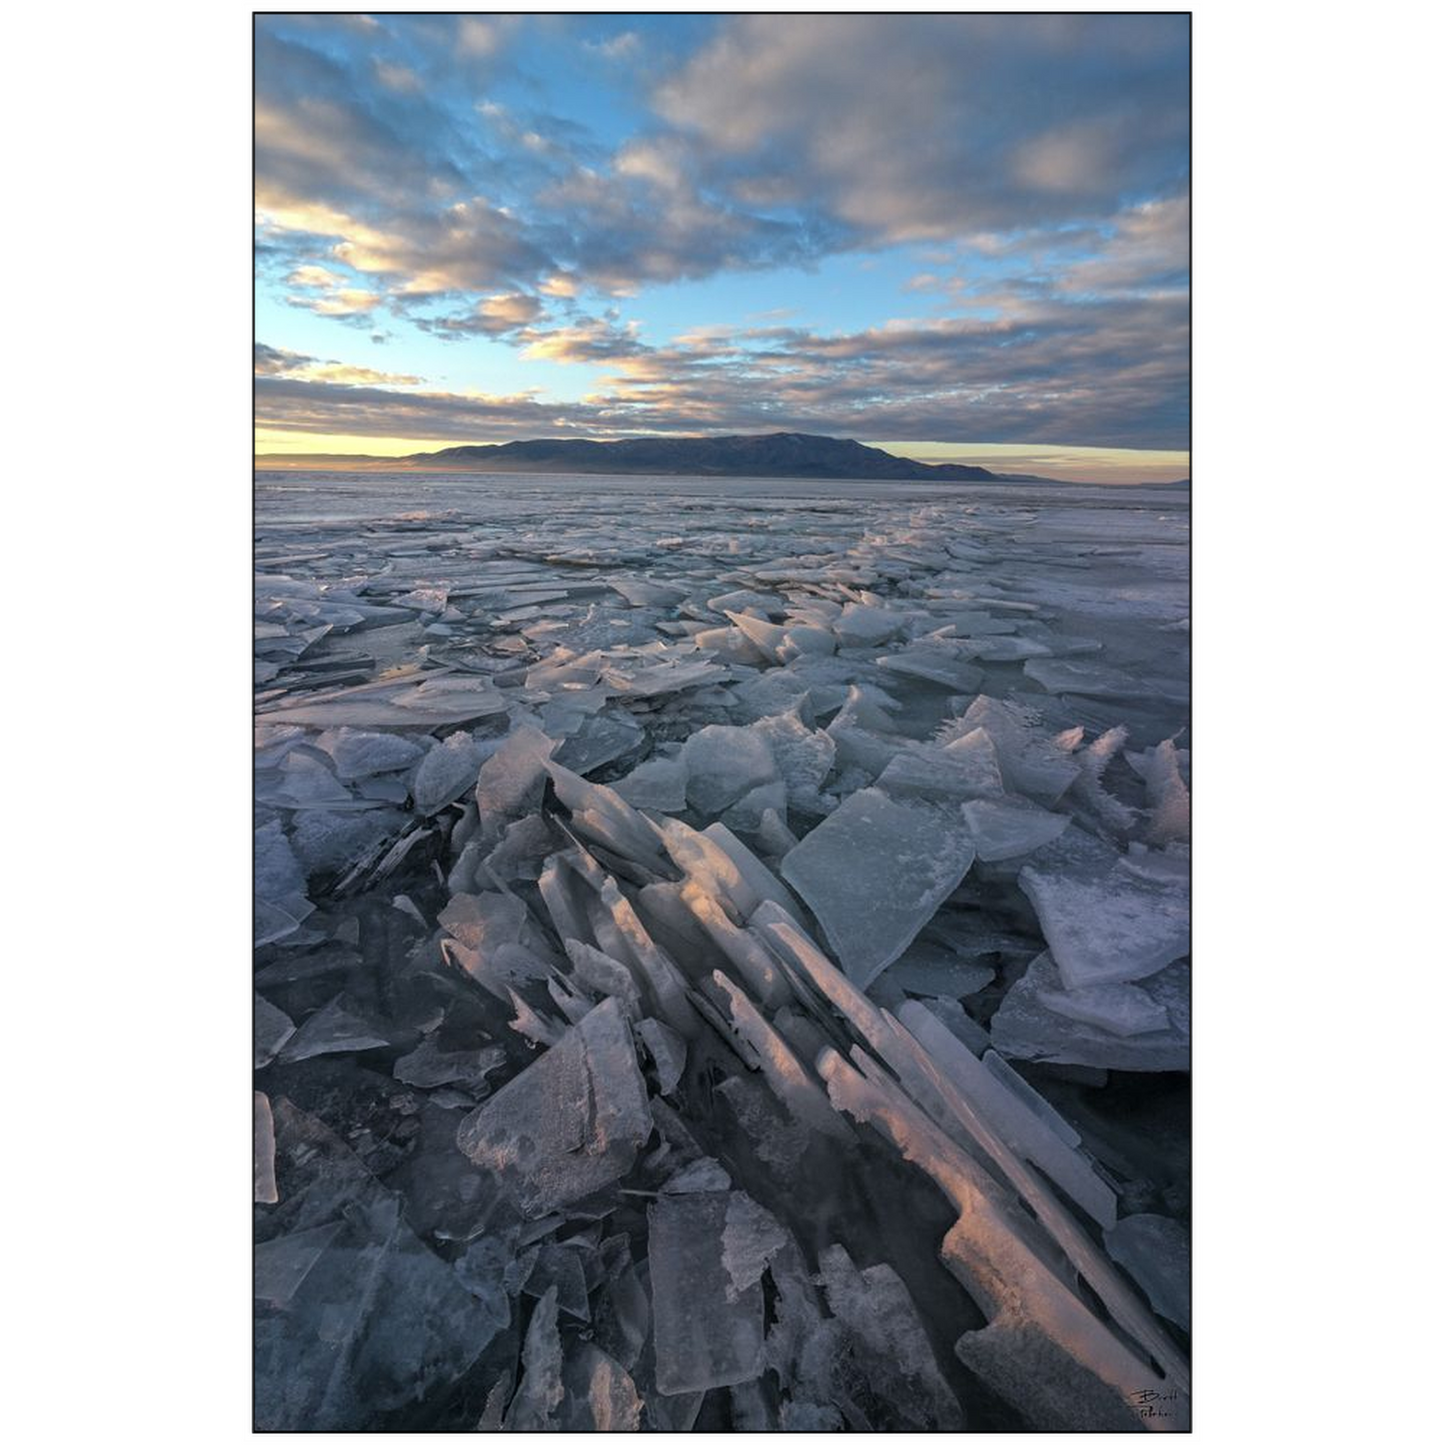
(721, 954)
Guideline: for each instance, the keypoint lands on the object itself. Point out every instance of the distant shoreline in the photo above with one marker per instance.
(286, 463)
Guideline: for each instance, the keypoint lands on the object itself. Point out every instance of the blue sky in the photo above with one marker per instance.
(939, 234)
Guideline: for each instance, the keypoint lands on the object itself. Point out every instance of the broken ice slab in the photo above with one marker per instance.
(1044, 1349)
(874, 872)
(605, 976)
(1166, 794)
(792, 1084)
(429, 1066)
(270, 1030)
(766, 637)
(928, 965)
(334, 842)
(356, 753)
(305, 779)
(643, 592)
(484, 920)
(599, 740)
(803, 755)
(1026, 1028)
(703, 1338)
(1031, 762)
(1112, 927)
(601, 815)
(1021, 1129)
(1088, 796)
(333, 1029)
(668, 1050)
(377, 1323)
(281, 1264)
(937, 664)
(659, 784)
(1090, 679)
(265, 1150)
(446, 772)
(1010, 829)
(1117, 1008)
(858, 625)
(570, 1123)
(1155, 1252)
(751, 960)
(724, 763)
(597, 1393)
(751, 1237)
(889, 1343)
(419, 700)
(278, 874)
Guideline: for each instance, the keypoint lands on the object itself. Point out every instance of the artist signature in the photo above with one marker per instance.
(1154, 1404)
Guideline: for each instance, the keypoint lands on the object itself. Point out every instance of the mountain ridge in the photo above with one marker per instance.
(770, 454)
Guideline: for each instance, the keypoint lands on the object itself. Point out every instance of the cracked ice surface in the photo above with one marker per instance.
(721, 954)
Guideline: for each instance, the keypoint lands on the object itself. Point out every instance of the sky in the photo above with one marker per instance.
(954, 237)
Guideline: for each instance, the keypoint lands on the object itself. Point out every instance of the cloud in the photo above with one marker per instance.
(492, 316)
(292, 404)
(275, 361)
(1109, 371)
(939, 125)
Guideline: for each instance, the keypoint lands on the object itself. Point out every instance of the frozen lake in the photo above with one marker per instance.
(719, 942)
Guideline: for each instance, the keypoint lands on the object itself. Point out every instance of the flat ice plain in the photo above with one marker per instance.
(721, 954)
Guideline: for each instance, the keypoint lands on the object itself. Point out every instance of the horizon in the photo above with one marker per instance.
(1095, 466)
(482, 229)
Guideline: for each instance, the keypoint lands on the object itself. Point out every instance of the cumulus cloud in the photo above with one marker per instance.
(939, 125)
(492, 316)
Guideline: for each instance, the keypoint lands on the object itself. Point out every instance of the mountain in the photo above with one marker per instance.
(779, 454)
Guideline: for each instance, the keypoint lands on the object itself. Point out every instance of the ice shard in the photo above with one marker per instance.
(569, 1123)
(874, 872)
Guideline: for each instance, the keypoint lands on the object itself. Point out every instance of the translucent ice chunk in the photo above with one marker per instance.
(569, 1123)
(1021, 1129)
(445, 773)
(356, 753)
(1117, 1008)
(540, 1392)
(702, 1176)
(861, 626)
(1025, 1027)
(1167, 796)
(1108, 928)
(804, 756)
(874, 872)
(659, 784)
(1155, 1251)
(333, 1029)
(306, 779)
(598, 1394)
(271, 1028)
(511, 780)
(934, 664)
(1009, 830)
(888, 1340)
(751, 1237)
(1031, 762)
(702, 1337)
(791, 1083)
(668, 1050)
(723, 763)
